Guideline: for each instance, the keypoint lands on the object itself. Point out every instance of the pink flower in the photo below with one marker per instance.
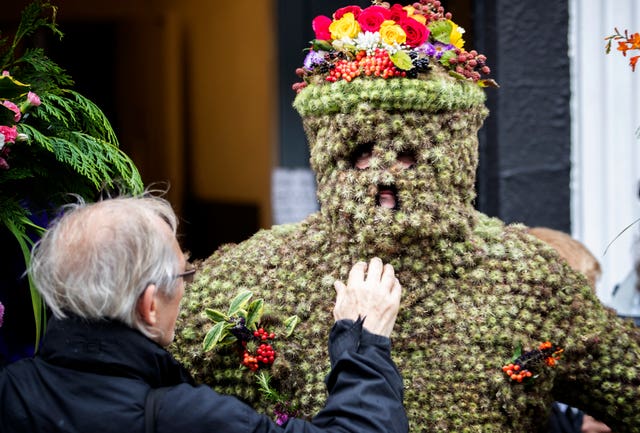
(417, 33)
(371, 18)
(397, 13)
(9, 133)
(320, 26)
(33, 99)
(5, 73)
(355, 10)
(13, 107)
(1, 310)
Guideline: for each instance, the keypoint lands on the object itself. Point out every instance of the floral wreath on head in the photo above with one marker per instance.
(387, 41)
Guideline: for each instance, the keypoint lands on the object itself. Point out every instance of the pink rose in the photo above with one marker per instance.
(397, 13)
(13, 107)
(417, 33)
(33, 99)
(355, 10)
(371, 18)
(10, 133)
(320, 26)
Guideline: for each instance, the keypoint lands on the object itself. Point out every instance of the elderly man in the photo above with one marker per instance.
(113, 275)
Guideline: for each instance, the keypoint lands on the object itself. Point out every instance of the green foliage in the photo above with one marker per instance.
(264, 385)
(66, 145)
(290, 324)
(215, 334)
(441, 31)
(240, 311)
(402, 60)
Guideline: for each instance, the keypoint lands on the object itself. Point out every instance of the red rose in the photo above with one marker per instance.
(320, 26)
(380, 9)
(397, 13)
(416, 32)
(355, 10)
(371, 18)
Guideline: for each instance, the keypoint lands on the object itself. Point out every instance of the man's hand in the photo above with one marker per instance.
(591, 425)
(374, 296)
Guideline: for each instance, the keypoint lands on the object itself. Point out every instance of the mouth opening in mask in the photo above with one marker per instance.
(387, 197)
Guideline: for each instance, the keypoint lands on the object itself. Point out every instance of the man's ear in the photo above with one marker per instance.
(147, 306)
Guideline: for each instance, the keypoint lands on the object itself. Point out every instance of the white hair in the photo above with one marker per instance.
(97, 259)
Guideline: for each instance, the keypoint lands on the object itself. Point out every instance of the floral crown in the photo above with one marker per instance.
(388, 41)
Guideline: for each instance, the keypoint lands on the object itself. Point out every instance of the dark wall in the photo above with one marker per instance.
(525, 159)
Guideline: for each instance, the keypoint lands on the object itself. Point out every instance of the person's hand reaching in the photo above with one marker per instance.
(373, 293)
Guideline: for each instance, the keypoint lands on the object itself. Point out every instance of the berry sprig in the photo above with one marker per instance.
(432, 10)
(378, 65)
(264, 355)
(470, 64)
(524, 365)
(240, 325)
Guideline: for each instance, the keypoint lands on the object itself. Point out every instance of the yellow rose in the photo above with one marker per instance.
(391, 33)
(456, 35)
(347, 26)
(411, 12)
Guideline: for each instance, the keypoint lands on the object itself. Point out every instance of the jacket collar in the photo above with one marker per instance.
(109, 347)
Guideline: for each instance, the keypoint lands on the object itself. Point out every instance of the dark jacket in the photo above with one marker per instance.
(94, 377)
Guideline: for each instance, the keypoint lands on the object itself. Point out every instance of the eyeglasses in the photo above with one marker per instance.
(187, 276)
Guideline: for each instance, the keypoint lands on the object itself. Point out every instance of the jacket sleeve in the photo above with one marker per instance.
(365, 387)
(365, 395)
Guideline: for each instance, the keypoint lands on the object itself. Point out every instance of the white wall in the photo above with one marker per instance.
(605, 150)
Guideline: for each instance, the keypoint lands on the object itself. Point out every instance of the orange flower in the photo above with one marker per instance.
(623, 47)
(632, 61)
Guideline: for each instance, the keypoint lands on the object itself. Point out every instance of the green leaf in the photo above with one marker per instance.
(441, 31)
(488, 83)
(517, 353)
(290, 324)
(254, 312)
(444, 59)
(215, 315)
(239, 302)
(214, 335)
(402, 60)
(227, 339)
(26, 243)
(321, 45)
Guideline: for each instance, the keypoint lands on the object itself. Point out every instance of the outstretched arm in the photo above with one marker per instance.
(365, 388)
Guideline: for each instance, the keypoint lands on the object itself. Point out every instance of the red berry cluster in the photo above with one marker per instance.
(377, 65)
(470, 64)
(516, 372)
(546, 353)
(264, 356)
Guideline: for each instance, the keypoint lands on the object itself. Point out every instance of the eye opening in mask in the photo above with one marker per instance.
(407, 159)
(361, 156)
